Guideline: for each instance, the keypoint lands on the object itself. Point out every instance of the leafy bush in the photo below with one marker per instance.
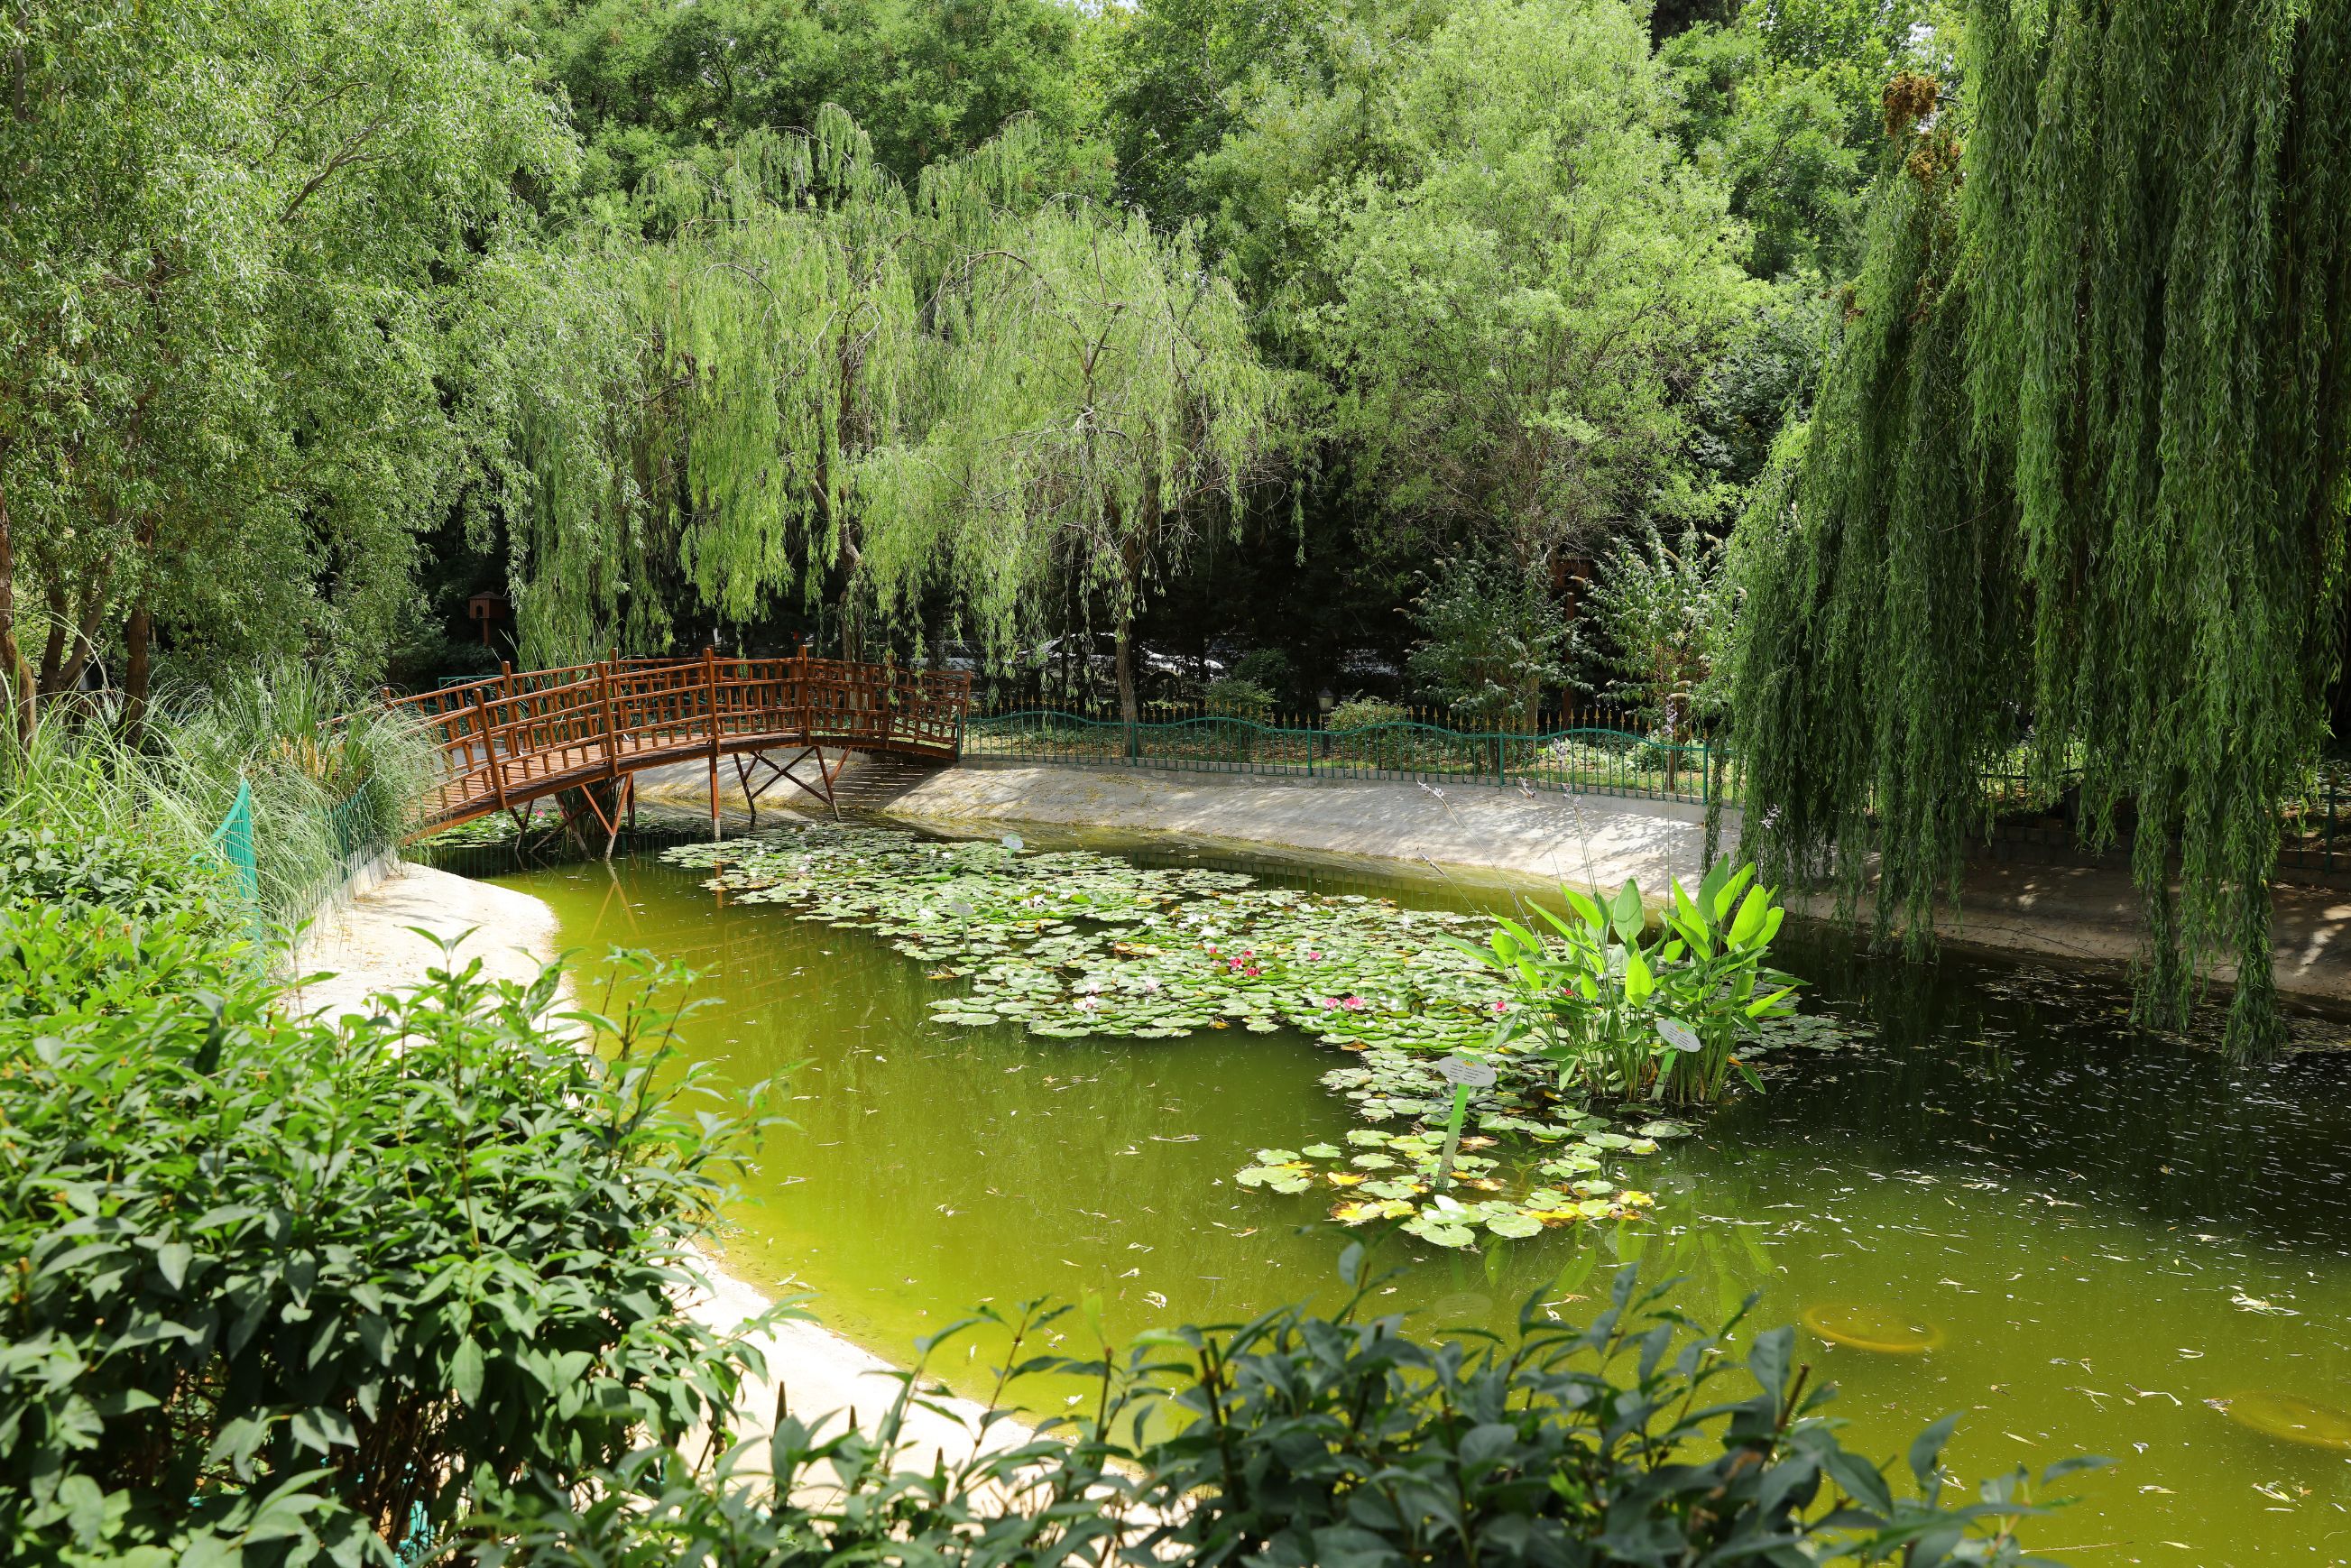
(1268, 668)
(136, 878)
(1235, 696)
(1362, 713)
(284, 1288)
(1666, 618)
(1345, 1441)
(1664, 1020)
(1491, 641)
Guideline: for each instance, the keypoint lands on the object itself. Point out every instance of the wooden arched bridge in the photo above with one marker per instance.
(582, 733)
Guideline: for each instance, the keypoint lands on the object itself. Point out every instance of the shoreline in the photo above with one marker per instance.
(371, 943)
(2084, 914)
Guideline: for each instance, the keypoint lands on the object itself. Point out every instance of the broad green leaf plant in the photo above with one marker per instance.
(1622, 1015)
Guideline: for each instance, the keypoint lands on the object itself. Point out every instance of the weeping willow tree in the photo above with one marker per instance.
(1099, 402)
(692, 438)
(811, 388)
(2075, 482)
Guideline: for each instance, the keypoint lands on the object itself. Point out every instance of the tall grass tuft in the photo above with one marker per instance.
(333, 780)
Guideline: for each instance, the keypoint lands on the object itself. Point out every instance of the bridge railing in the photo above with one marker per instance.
(521, 734)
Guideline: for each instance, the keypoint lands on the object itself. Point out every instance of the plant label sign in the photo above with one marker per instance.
(1461, 1071)
(1679, 1035)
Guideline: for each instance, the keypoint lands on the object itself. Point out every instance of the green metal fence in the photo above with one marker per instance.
(354, 833)
(234, 839)
(1586, 760)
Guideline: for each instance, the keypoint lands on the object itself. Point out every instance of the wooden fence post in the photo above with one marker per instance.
(489, 748)
(710, 677)
(612, 724)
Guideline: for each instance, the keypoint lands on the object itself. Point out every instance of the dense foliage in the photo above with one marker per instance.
(1637, 1439)
(997, 325)
(2076, 480)
(234, 236)
(288, 1289)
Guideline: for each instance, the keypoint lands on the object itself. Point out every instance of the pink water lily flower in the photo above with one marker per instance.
(1313, 957)
(1089, 1004)
(1352, 1003)
(1501, 1007)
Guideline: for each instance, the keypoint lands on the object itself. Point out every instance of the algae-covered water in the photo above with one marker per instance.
(2101, 1233)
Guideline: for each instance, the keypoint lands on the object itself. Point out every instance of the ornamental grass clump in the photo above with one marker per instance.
(280, 1290)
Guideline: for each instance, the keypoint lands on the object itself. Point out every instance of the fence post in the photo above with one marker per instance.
(489, 748)
(611, 725)
(710, 679)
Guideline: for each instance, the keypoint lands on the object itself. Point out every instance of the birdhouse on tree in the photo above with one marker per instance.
(486, 609)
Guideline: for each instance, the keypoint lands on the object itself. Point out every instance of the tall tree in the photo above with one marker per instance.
(650, 82)
(2077, 476)
(228, 231)
(1518, 304)
(1099, 402)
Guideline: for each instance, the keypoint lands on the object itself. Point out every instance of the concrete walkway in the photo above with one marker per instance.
(372, 945)
(1515, 836)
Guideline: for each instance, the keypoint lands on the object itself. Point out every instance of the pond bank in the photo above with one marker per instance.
(2087, 912)
(372, 944)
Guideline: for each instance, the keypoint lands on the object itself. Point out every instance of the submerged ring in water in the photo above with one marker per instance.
(1882, 1331)
(2290, 1418)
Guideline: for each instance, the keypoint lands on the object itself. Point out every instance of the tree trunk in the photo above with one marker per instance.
(851, 636)
(85, 639)
(1126, 665)
(137, 633)
(53, 648)
(14, 668)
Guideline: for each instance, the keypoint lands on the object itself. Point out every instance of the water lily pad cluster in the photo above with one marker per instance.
(1074, 944)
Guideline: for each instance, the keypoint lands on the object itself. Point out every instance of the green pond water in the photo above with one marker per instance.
(2109, 1231)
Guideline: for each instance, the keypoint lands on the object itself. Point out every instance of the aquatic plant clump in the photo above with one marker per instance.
(1073, 943)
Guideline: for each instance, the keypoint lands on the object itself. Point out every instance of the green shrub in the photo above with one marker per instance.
(1362, 713)
(134, 877)
(281, 1289)
(1268, 669)
(1239, 697)
(1307, 1440)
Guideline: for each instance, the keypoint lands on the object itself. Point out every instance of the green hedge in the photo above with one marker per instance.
(1636, 1441)
(283, 1290)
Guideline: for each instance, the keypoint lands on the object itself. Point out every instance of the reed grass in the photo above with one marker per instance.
(332, 779)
